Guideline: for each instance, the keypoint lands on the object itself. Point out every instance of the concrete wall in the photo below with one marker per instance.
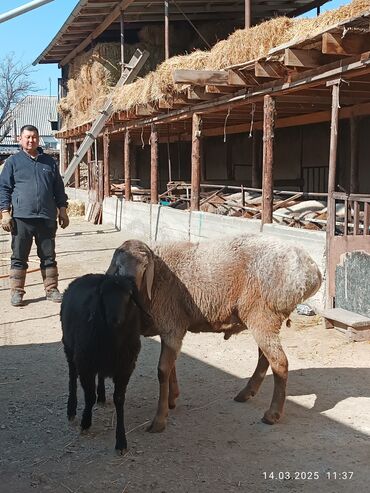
(161, 223)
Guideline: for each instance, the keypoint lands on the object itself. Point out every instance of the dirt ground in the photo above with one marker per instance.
(211, 444)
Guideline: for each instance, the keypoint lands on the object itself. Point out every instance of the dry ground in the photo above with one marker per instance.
(212, 444)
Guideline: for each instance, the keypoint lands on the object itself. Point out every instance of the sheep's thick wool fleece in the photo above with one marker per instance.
(221, 275)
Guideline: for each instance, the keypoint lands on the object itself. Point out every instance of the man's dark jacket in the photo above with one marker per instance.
(33, 187)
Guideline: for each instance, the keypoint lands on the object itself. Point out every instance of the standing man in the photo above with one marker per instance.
(32, 196)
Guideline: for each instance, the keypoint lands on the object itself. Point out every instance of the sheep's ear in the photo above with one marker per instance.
(149, 277)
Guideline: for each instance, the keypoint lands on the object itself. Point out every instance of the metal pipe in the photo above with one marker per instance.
(122, 26)
(23, 9)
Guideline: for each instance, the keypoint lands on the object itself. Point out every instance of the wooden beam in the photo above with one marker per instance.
(127, 165)
(268, 158)
(270, 69)
(197, 93)
(100, 29)
(350, 44)
(195, 162)
(302, 58)
(212, 89)
(235, 79)
(154, 165)
(206, 77)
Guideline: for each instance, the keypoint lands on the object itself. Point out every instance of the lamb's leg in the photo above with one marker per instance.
(166, 363)
(254, 383)
(270, 344)
(101, 390)
(174, 389)
(120, 385)
(72, 397)
(88, 384)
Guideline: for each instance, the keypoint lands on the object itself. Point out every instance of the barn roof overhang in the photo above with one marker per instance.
(95, 20)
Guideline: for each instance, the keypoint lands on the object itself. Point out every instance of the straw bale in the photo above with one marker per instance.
(76, 208)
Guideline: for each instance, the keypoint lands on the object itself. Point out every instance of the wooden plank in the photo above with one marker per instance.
(270, 69)
(302, 58)
(106, 163)
(200, 77)
(345, 317)
(347, 45)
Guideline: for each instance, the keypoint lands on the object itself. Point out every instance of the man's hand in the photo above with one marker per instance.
(7, 222)
(63, 218)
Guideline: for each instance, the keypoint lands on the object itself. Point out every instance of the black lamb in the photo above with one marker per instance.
(101, 319)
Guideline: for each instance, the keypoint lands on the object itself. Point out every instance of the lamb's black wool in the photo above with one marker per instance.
(101, 318)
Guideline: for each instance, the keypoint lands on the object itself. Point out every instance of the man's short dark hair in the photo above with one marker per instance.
(30, 128)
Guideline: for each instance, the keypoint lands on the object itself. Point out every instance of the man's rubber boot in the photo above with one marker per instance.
(50, 278)
(17, 279)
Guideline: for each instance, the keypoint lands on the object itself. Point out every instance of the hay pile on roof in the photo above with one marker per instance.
(241, 46)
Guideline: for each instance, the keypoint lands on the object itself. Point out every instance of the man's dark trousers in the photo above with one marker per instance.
(43, 230)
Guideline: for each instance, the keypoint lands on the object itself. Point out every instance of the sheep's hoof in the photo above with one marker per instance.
(172, 405)
(71, 418)
(121, 449)
(244, 396)
(156, 426)
(271, 418)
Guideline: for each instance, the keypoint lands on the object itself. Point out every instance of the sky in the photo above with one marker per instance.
(27, 36)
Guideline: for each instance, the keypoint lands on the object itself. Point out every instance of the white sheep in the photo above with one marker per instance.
(226, 286)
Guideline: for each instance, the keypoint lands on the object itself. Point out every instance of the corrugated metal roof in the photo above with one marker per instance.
(38, 111)
(35, 110)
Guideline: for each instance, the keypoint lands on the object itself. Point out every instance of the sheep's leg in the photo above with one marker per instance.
(72, 397)
(166, 363)
(254, 383)
(88, 384)
(174, 389)
(101, 390)
(270, 344)
(120, 385)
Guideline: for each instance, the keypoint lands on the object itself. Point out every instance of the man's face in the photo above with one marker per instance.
(29, 141)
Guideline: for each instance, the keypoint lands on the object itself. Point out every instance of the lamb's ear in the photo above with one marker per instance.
(149, 277)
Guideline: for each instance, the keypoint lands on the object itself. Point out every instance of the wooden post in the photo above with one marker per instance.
(154, 165)
(355, 148)
(65, 156)
(106, 170)
(166, 31)
(77, 171)
(89, 168)
(248, 14)
(195, 162)
(268, 158)
(330, 227)
(256, 168)
(127, 160)
(122, 26)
